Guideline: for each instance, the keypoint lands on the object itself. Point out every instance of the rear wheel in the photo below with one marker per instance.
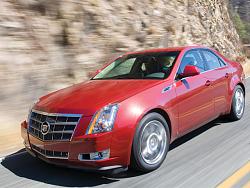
(151, 143)
(238, 104)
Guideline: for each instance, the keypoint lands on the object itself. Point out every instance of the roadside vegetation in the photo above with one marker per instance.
(242, 27)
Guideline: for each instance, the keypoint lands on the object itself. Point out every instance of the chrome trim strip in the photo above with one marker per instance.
(49, 157)
(30, 152)
(35, 129)
(55, 140)
(90, 160)
(56, 114)
(110, 167)
(35, 119)
(63, 131)
(57, 123)
(64, 123)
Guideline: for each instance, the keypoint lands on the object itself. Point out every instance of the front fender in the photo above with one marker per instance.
(133, 109)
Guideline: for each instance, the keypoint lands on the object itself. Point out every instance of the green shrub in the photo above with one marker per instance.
(242, 27)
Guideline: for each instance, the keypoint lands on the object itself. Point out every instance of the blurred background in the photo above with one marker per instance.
(46, 45)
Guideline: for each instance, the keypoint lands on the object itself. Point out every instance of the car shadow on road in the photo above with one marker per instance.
(24, 165)
(197, 132)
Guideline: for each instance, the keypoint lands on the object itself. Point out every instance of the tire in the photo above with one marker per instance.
(238, 104)
(147, 138)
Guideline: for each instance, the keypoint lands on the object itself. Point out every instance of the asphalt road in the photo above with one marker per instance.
(203, 158)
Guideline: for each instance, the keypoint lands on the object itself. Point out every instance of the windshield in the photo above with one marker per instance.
(140, 66)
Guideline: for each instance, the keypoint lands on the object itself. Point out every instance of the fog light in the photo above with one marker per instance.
(99, 155)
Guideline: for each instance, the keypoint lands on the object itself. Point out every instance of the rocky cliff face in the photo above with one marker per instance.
(48, 44)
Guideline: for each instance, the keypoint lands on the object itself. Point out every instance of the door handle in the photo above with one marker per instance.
(208, 83)
(227, 75)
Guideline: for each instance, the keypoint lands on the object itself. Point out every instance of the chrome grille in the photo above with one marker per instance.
(61, 126)
(50, 153)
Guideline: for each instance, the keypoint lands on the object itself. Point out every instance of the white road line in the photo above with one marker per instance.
(12, 155)
(16, 154)
(1, 159)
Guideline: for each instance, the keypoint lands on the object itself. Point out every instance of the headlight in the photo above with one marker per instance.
(103, 120)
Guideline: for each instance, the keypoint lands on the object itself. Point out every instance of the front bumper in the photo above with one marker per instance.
(73, 164)
(66, 154)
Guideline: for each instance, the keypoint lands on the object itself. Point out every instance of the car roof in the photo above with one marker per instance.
(169, 49)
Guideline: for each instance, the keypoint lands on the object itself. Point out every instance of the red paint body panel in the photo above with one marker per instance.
(195, 102)
(189, 103)
(80, 98)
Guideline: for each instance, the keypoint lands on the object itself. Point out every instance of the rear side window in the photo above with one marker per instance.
(194, 58)
(212, 60)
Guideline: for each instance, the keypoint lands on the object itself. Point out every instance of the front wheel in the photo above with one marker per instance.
(151, 143)
(238, 104)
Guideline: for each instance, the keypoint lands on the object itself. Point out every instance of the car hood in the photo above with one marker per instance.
(88, 97)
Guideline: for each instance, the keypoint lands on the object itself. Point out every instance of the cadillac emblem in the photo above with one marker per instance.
(45, 128)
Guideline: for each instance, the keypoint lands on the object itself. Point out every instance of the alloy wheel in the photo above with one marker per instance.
(153, 142)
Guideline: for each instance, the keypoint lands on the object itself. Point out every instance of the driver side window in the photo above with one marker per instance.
(193, 58)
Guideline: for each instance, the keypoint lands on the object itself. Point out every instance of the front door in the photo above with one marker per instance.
(194, 94)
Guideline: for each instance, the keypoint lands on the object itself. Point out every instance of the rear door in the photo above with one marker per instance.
(195, 101)
(219, 76)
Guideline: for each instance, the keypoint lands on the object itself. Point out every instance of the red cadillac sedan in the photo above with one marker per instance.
(131, 110)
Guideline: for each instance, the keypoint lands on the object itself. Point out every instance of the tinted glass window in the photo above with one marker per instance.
(212, 60)
(140, 66)
(123, 68)
(192, 58)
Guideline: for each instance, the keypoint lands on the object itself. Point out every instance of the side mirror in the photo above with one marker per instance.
(190, 70)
